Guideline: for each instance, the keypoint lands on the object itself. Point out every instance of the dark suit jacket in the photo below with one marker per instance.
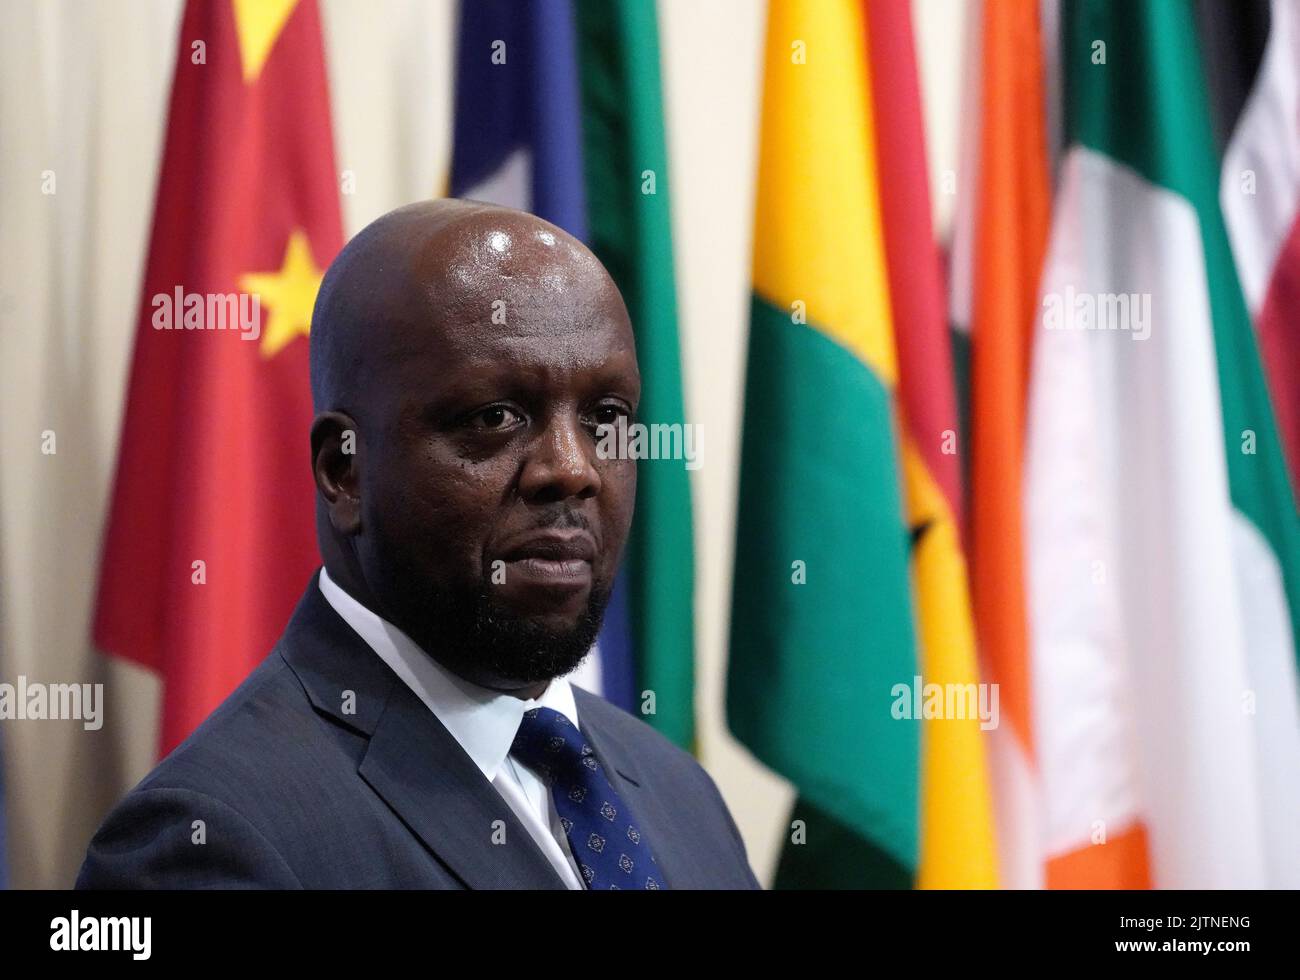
(295, 791)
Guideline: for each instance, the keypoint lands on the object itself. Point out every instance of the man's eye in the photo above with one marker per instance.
(608, 414)
(495, 418)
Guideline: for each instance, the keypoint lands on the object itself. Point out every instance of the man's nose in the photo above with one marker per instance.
(560, 464)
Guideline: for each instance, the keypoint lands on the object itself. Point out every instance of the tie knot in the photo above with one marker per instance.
(550, 743)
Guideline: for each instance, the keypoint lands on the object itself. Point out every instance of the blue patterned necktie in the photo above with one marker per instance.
(607, 844)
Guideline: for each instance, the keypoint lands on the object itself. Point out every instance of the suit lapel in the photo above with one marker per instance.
(421, 771)
(412, 762)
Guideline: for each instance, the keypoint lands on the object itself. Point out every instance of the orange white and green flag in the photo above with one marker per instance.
(1162, 538)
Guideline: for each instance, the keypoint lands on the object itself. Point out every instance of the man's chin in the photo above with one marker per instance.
(505, 644)
(558, 624)
(538, 646)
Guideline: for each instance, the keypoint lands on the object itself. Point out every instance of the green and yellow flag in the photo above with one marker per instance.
(850, 482)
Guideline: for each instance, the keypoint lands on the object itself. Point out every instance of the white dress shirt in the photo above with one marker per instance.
(484, 722)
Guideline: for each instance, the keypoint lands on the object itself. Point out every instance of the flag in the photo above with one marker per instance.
(821, 626)
(1252, 56)
(211, 537)
(1000, 237)
(956, 825)
(558, 111)
(1163, 545)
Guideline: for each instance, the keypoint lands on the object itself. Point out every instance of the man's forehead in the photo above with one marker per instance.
(502, 252)
(455, 281)
(475, 360)
(499, 280)
(531, 334)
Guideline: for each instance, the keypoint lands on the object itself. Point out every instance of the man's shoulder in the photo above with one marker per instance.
(610, 717)
(220, 788)
(652, 752)
(259, 725)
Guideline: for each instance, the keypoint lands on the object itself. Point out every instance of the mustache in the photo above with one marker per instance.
(565, 517)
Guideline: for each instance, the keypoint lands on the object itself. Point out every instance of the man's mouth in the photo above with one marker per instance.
(553, 561)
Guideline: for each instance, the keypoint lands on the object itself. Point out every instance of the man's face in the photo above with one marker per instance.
(491, 530)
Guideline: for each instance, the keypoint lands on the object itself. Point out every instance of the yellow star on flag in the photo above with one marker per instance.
(290, 294)
(258, 24)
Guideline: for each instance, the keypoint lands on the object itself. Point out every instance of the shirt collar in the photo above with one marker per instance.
(483, 721)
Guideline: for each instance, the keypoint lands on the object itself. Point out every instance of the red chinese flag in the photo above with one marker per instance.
(211, 536)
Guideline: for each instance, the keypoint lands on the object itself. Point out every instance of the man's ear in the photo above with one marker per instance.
(336, 465)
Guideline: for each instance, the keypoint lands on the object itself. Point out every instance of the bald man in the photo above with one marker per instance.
(414, 726)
